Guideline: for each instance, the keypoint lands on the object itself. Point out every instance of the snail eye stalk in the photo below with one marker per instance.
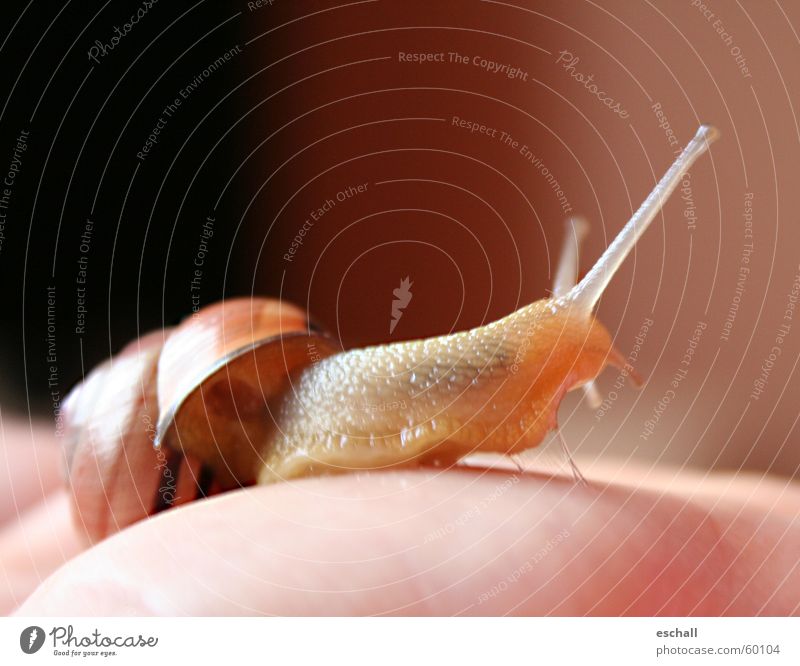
(584, 295)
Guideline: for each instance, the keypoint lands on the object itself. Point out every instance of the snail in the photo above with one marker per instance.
(249, 391)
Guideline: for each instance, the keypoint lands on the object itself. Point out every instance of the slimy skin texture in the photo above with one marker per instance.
(493, 388)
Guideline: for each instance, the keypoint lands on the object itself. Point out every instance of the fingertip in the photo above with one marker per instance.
(433, 543)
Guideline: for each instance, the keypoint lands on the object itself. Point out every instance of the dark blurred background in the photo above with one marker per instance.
(351, 123)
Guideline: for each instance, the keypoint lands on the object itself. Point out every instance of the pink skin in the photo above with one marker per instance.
(30, 465)
(465, 540)
(36, 530)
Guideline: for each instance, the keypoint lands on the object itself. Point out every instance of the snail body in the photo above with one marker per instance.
(248, 391)
(493, 388)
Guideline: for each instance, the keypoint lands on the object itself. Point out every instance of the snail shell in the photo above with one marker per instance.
(215, 363)
(218, 375)
(110, 419)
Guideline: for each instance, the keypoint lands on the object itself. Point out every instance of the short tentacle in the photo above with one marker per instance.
(566, 278)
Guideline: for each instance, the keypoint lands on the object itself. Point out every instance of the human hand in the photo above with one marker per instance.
(468, 540)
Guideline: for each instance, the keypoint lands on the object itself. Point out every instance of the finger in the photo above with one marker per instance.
(424, 542)
(33, 545)
(31, 465)
(771, 496)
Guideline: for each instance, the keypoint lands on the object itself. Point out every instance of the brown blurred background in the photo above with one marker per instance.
(476, 223)
(583, 105)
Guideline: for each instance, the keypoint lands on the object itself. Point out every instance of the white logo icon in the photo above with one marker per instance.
(402, 297)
